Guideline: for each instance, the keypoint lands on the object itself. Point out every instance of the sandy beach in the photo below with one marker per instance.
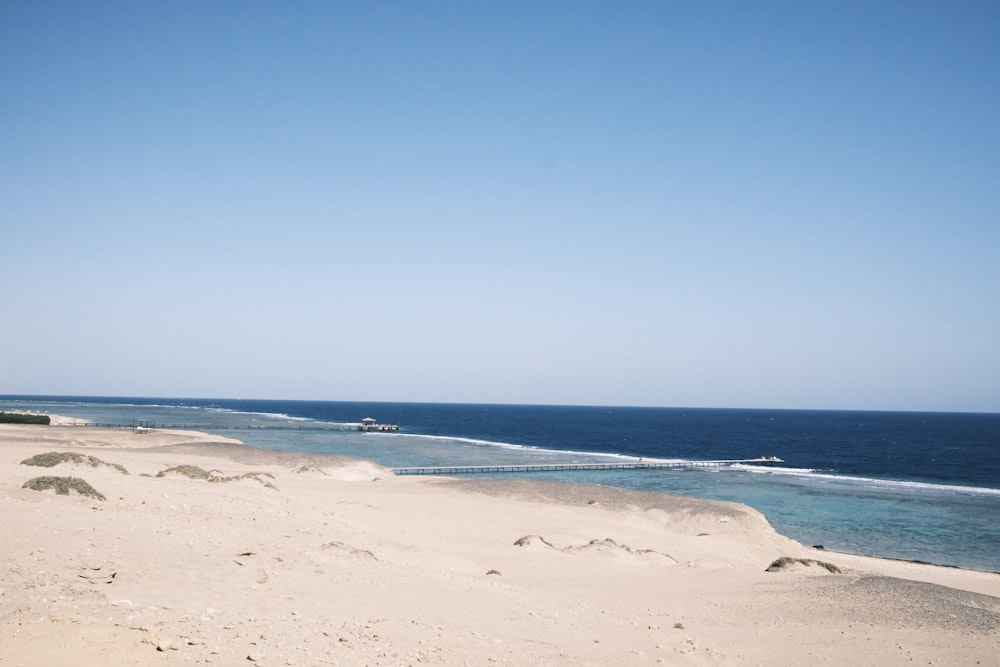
(206, 550)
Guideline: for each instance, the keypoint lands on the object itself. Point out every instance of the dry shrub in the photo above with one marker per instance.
(52, 459)
(63, 485)
(788, 561)
(528, 539)
(194, 472)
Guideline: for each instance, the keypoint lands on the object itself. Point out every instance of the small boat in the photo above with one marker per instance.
(369, 424)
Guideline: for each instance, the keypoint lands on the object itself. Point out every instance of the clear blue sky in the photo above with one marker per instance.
(732, 204)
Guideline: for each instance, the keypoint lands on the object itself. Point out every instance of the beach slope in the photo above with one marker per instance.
(186, 548)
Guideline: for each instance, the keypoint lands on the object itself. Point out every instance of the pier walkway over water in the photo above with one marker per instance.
(569, 467)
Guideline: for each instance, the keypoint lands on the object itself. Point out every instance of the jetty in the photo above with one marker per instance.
(369, 424)
(572, 467)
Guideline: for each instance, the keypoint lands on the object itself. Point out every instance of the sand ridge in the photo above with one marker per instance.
(339, 562)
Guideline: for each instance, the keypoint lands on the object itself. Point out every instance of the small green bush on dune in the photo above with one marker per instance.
(788, 561)
(52, 459)
(19, 418)
(194, 472)
(63, 485)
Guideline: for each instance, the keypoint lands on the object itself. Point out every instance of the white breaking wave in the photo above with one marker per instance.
(871, 482)
(596, 456)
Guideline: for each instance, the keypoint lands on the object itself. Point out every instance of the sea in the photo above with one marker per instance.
(919, 486)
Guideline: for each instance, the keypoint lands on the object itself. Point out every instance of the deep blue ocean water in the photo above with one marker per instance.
(920, 486)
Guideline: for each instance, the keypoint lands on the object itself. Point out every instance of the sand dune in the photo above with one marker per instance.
(279, 558)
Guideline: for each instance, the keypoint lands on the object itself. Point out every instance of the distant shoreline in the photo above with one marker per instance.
(157, 400)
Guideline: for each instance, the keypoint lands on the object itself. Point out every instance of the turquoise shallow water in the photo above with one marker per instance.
(914, 486)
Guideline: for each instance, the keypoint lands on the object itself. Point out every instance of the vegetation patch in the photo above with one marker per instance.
(194, 472)
(52, 459)
(528, 539)
(605, 544)
(257, 476)
(21, 418)
(310, 469)
(63, 485)
(788, 561)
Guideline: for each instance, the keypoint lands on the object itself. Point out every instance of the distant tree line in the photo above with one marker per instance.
(18, 418)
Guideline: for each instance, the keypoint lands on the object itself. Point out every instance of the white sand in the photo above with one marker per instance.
(342, 563)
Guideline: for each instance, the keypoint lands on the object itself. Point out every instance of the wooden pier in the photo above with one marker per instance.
(572, 467)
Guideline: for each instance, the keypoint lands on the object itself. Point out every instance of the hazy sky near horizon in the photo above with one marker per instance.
(718, 204)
